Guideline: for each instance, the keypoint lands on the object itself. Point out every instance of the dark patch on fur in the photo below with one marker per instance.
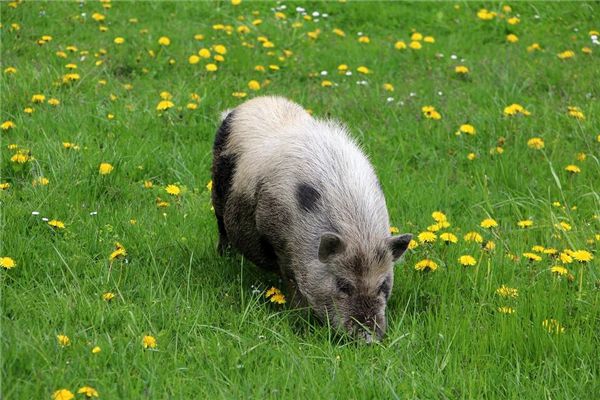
(240, 222)
(267, 248)
(307, 197)
(364, 310)
(223, 169)
(344, 286)
(385, 287)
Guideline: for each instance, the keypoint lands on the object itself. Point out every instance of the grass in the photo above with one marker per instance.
(217, 336)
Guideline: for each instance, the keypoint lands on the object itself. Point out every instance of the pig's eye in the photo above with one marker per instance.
(344, 286)
(385, 288)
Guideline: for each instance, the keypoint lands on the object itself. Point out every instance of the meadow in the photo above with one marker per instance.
(482, 120)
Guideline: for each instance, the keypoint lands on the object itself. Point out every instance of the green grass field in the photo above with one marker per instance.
(522, 322)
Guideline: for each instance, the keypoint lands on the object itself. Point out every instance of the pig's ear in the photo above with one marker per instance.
(398, 244)
(331, 245)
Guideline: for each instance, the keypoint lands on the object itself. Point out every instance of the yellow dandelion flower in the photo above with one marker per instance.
(42, 181)
(468, 129)
(4, 186)
(326, 83)
(239, 95)
(108, 296)
(394, 230)
(10, 70)
(63, 340)
(426, 265)
(553, 326)
(416, 36)
(438, 216)
(96, 350)
(431, 113)
(120, 252)
(565, 257)
(526, 223)
(67, 78)
(513, 20)
(512, 38)
(56, 224)
(448, 238)
(574, 169)
(119, 40)
(173, 190)
(400, 45)
(532, 257)
(575, 112)
(433, 228)
(559, 270)
(38, 98)
(211, 67)
(489, 223)
(515, 109)
(506, 310)
(105, 168)
(582, 256)
(88, 391)
(193, 59)
(363, 70)
(473, 237)
(160, 203)
(535, 143)
(149, 342)
(7, 263)
(485, 15)
(429, 39)
(415, 45)
(220, 49)
(342, 68)
(209, 185)
(339, 32)
(489, 246)
(413, 244)
(538, 249)
(20, 157)
(98, 17)
(254, 85)
(364, 39)
(388, 87)
(534, 47)
(565, 55)
(505, 291)
(6, 125)
(63, 394)
(461, 69)
(164, 41)
(427, 237)
(467, 260)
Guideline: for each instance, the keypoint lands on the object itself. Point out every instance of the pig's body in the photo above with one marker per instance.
(283, 180)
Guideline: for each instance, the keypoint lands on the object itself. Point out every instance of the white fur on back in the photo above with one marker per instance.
(276, 138)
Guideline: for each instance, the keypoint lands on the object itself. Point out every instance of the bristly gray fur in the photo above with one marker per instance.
(304, 199)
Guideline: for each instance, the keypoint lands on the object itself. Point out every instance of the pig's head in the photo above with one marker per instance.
(349, 284)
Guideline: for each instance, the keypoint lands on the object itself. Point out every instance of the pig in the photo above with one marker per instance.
(296, 195)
